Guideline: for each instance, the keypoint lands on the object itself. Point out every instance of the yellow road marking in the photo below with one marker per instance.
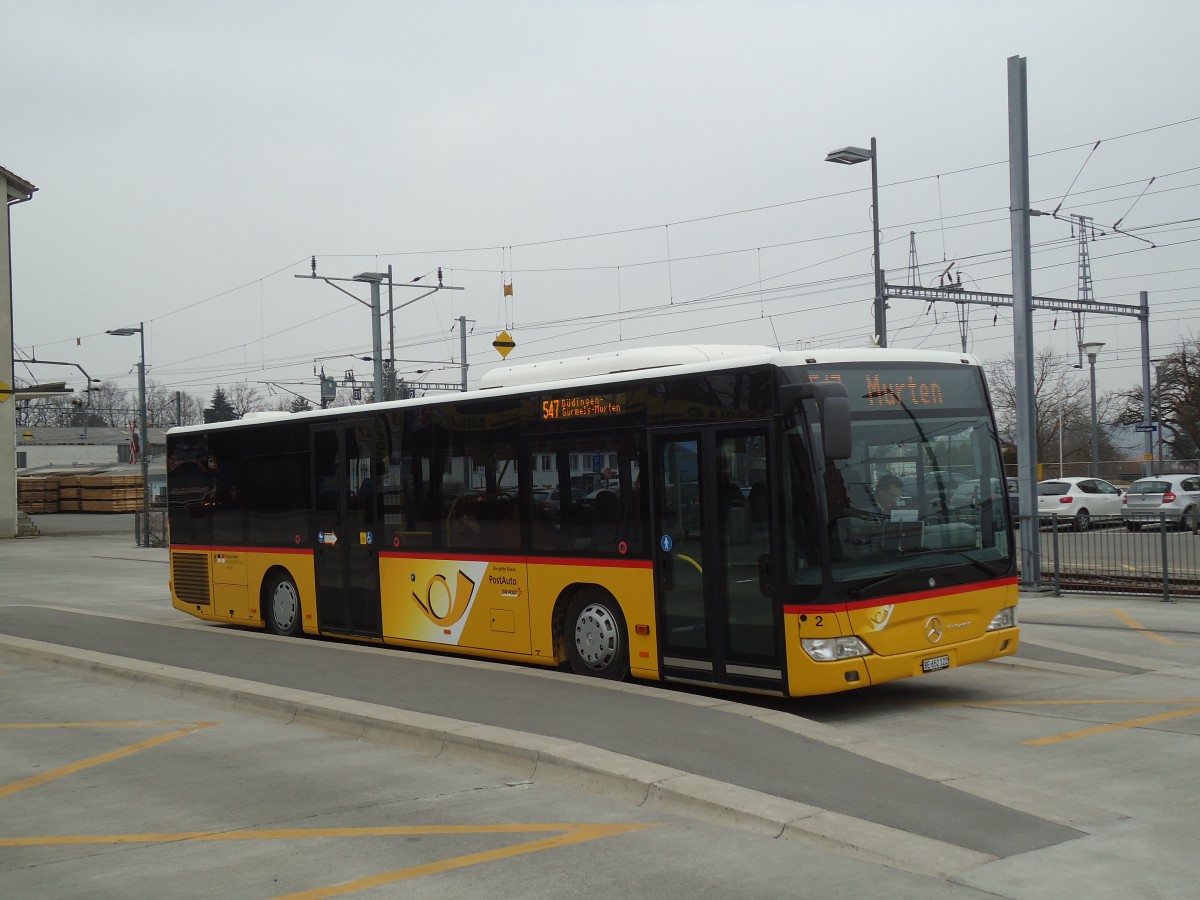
(577, 835)
(571, 834)
(20, 725)
(286, 834)
(36, 780)
(1096, 729)
(1138, 626)
(1115, 726)
(1071, 702)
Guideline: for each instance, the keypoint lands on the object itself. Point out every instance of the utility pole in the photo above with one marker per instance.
(375, 279)
(391, 390)
(1148, 450)
(462, 344)
(1083, 281)
(1022, 281)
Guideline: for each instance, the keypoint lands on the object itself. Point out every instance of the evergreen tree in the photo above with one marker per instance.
(300, 404)
(221, 409)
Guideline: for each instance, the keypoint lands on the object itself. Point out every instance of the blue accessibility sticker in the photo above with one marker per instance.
(666, 543)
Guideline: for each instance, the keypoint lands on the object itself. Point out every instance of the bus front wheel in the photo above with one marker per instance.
(597, 642)
(283, 606)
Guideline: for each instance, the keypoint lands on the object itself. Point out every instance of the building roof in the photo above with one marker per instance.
(157, 470)
(18, 187)
(72, 435)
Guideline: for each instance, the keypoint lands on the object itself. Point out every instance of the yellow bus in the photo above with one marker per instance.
(790, 523)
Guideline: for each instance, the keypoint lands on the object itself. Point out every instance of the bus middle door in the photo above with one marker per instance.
(713, 556)
(345, 506)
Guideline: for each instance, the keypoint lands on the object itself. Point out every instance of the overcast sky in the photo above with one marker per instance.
(641, 173)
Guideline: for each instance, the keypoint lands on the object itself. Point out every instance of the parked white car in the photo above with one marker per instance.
(1176, 495)
(1076, 501)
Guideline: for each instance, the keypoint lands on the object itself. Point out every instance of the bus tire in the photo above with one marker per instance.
(281, 605)
(597, 642)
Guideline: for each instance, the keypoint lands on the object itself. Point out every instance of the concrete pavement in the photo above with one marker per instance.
(716, 758)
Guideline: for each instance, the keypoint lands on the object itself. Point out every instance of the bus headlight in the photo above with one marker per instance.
(1006, 618)
(831, 649)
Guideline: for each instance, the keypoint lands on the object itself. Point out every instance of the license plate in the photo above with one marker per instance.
(938, 662)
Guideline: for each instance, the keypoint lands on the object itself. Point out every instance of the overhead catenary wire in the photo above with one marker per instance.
(672, 259)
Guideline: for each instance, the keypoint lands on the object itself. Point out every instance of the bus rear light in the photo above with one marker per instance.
(833, 649)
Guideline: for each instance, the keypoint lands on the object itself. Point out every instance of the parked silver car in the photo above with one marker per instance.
(1176, 495)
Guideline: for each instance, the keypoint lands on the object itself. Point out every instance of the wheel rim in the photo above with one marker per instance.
(597, 637)
(1185, 523)
(285, 605)
(1083, 520)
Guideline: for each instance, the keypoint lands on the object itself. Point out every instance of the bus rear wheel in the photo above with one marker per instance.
(282, 607)
(597, 642)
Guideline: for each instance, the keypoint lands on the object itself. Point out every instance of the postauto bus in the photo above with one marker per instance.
(715, 521)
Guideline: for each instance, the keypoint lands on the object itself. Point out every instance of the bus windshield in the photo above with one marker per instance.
(922, 490)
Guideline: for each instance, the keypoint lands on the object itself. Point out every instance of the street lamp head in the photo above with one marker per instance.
(124, 332)
(1091, 348)
(848, 155)
(371, 277)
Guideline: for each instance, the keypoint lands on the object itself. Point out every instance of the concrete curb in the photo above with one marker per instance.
(545, 759)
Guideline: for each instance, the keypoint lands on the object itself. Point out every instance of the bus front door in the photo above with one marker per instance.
(712, 531)
(346, 510)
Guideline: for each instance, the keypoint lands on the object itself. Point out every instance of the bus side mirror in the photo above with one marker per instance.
(835, 427)
(833, 402)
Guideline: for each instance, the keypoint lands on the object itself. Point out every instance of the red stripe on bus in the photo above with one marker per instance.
(795, 609)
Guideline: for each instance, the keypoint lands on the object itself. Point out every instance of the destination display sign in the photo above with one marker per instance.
(582, 407)
(916, 387)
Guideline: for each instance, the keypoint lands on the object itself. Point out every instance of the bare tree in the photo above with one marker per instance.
(1062, 408)
(193, 410)
(43, 411)
(1174, 401)
(161, 408)
(112, 405)
(244, 398)
(291, 404)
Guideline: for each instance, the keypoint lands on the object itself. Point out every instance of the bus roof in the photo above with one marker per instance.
(622, 365)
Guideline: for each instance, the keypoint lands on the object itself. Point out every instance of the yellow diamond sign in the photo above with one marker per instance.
(504, 343)
(5, 391)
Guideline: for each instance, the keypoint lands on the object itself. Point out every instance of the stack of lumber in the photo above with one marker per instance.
(70, 493)
(37, 495)
(40, 494)
(111, 493)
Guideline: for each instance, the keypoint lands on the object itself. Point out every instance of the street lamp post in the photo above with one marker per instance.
(1158, 374)
(849, 156)
(143, 444)
(1091, 348)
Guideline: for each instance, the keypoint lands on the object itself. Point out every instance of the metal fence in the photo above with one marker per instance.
(158, 528)
(1157, 560)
